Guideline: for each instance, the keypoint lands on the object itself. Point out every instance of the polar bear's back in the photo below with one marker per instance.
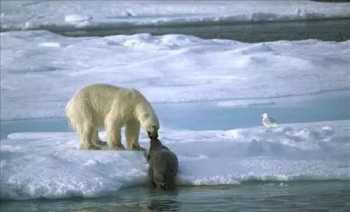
(94, 102)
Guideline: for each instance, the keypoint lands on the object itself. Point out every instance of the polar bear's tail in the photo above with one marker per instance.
(69, 113)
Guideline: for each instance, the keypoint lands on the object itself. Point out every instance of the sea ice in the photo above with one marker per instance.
(50, 165)
(41, 14)
(77, 20)
(41, 70)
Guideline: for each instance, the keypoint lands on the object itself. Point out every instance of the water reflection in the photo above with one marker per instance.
(162, 201)
(158, 205)
(251, 196)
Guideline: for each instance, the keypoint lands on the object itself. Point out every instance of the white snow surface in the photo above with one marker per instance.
(50, 165)
(41, 70)
(34, 14)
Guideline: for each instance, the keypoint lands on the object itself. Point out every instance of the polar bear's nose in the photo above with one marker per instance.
(153, 134)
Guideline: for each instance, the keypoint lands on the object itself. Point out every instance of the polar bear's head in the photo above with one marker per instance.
(151, 124)
(147, 118)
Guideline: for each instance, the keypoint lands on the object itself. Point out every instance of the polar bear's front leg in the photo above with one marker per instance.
(113, 135)
(132, 135)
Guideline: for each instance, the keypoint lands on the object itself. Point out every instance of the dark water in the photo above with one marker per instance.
(335, 30)
(254, 196)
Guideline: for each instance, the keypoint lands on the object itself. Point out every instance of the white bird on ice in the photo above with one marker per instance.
(267, 121)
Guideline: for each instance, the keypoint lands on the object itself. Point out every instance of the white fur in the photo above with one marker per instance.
(267, 121)
(110, 107)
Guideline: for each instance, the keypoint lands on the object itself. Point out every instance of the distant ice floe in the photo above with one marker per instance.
(50, 165)
(50, 44)
(41, 70)
(78, 20)
(43, 14)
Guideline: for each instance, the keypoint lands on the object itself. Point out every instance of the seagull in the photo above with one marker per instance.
(267, 121)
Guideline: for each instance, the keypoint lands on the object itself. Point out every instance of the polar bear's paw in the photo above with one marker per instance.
(137, 147)
(99, 142)
(118, 147)
(89, 147)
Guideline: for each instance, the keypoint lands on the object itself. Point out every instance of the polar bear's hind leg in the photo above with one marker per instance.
(87, 136)
(80, 120)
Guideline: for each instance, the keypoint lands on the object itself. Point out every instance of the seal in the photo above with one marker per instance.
(163, 166)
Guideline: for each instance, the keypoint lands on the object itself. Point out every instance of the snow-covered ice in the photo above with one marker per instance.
(40, 70)
(77, 20)
(34, 14)
(49, 165)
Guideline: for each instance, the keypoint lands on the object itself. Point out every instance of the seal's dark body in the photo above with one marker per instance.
(163, 166)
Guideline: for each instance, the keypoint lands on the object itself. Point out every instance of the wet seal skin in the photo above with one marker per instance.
(163, 166)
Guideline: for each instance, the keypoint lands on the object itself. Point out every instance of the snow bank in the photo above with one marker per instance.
(96, 14)
(49, 165)
(41, 70)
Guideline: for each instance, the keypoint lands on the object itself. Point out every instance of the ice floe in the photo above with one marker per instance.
(50, 165)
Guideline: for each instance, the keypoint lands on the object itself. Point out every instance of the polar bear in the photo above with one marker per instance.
(106, 106)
